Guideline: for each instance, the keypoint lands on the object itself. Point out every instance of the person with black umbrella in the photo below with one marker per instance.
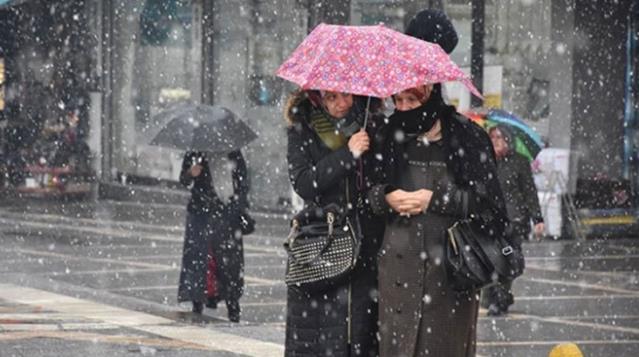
(213, 232)
(214, 226)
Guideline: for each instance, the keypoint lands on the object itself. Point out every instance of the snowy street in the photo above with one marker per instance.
(73, 285)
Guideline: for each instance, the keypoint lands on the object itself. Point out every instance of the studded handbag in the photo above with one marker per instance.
(322, 247)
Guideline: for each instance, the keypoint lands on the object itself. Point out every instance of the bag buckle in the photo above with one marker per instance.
(451, 238)
(507, 250)
(291, 235)
(330, 219)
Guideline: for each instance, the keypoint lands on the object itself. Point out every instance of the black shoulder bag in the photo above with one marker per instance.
(476, 259)
(322, 247)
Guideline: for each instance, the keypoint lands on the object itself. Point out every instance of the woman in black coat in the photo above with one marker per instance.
(436, 162)
(341, 321)
(522, 205)
(213, 226)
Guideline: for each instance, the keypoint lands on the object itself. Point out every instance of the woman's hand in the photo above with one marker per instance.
(195, 170)
(416, 202)
(409, 203)
(395, 199)
(359, 143)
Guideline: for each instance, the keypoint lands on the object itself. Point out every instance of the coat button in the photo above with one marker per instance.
(398, 283)
(399, 256)
(398, 310)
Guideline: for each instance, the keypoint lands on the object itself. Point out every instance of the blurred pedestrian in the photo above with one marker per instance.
(213, 237)
(436, 165)
(522, 204)
(71, 148)
(228, 247)
(433, 26)
(327, 151)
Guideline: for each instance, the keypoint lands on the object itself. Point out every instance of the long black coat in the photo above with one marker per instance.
(421, 313)
(519, 189)
(213, 226)
(318, 324)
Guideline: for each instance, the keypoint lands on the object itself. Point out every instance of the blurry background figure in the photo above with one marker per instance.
(230, 175)
(522, 204)
(213, 255)
(71, 149)
(433, 26)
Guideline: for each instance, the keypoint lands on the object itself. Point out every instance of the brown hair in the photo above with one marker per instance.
(297, 101)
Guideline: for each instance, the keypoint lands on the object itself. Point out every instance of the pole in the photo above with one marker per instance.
(477, 49)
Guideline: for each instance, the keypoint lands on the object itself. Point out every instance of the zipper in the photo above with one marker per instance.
(350, 226)
(349, 325)
(350, 317)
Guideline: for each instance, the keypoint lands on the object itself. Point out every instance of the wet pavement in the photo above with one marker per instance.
(82, 278)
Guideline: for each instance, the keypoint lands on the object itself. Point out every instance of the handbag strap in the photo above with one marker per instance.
(464, 199)
(330, 220)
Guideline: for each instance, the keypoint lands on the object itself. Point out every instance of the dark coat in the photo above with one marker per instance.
(522, 205)
(519, 189)
(320, 324)
(420, 313)
(472, 166)
(203, 199)
(211, 224)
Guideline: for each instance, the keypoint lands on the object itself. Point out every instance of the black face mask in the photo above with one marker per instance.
(418, 120)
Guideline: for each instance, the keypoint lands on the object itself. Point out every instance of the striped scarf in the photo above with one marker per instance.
(324, 127)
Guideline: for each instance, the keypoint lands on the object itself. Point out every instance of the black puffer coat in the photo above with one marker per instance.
(322, 324)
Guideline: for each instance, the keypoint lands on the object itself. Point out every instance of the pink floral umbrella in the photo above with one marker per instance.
(368, 60)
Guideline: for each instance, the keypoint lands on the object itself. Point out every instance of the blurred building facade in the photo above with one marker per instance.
(122, 62)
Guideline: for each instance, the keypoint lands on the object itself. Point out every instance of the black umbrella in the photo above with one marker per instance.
(198, 127)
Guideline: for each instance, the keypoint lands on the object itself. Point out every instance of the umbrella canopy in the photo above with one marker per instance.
(197, 127)
(368, 60)
(527, 142)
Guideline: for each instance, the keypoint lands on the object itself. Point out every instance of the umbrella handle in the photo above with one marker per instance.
(368, 105)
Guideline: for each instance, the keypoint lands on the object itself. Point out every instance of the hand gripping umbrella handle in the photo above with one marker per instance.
(368, 106)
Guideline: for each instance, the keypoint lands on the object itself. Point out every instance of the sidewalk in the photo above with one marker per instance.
(99, 278)
(115, 259)
(28, 314)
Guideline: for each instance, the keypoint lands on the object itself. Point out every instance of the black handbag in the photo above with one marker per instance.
(476, 259)
(322, 248)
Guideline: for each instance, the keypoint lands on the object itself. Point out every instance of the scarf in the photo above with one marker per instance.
(408, 125)
(325, 129)
(419, 120)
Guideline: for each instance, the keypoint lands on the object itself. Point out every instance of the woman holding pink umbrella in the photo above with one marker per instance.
(329, 156)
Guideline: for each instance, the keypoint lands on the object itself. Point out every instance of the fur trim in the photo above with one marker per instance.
(296, 107)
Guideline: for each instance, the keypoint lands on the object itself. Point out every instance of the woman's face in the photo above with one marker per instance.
(412, 98)
(499, 143)
(337, 104)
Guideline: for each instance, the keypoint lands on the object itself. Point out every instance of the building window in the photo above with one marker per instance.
(156, 64)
